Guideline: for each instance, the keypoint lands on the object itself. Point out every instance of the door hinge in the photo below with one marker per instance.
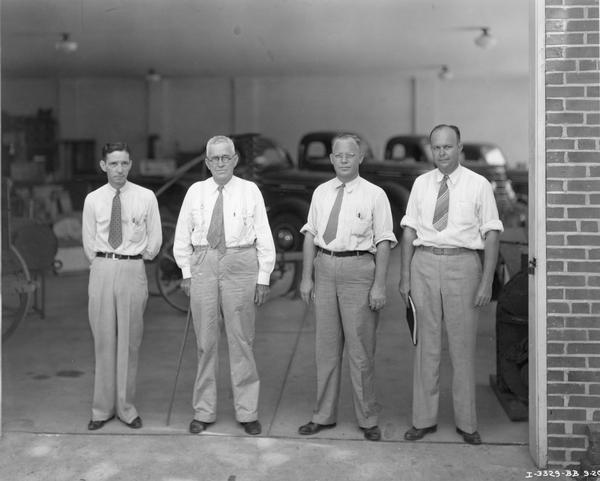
(532, 265)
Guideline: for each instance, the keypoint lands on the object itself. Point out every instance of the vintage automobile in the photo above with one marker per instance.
(287, 190)
(482, 157)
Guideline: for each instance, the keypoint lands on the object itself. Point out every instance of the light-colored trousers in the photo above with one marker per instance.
(443, 289)
(343, 316)
(225, 284)
(118, 291)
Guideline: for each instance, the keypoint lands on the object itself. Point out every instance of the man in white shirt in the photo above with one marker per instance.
(348, 237)
(451, 216)
(225, 250)
(120, 227)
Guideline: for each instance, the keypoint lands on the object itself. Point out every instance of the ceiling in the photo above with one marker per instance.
(126, 38)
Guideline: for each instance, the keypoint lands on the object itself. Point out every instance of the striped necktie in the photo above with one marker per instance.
(332, 224)
(440, 216)
(216, 229)
(115, 230)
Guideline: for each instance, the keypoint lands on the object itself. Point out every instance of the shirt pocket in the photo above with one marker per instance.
(466, 212)
(244, 225)
(137, 225)
(198, 225)
(362, 224)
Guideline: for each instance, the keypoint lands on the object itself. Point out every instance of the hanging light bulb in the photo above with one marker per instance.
(153, 76)
(65, 44)
(445, 73)
(485, 40)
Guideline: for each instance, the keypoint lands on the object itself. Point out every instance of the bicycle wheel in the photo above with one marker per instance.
(168, 277)
(17, 291)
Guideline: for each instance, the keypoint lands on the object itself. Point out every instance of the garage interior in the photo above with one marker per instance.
(165, 76)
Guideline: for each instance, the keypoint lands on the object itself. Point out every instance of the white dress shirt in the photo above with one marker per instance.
(245, 221)
(140, 217)
(365, 216)
(472, 210)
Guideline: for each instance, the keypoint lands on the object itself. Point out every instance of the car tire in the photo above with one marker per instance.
(288, 241)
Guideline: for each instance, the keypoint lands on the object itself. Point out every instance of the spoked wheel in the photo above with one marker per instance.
(168, 277)
(17, 291)
(168, 232)
(288, 242)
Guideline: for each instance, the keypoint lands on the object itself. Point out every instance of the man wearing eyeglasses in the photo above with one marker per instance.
(120, 228)
(348, 237)
(224, 247)
(451, 216)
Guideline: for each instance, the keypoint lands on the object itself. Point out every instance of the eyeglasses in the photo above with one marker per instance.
(340, 156)
(222, 158)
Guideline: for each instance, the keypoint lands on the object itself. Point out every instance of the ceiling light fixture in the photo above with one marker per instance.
(445, 73)
(153, 76)
(486, 40)
(65, 44)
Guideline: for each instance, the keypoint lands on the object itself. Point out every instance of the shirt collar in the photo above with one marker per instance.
(454, 176)
(214, 186)
(350, 186)
(122, 189)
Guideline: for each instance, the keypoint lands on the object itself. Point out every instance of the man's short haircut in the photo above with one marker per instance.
(448, 126)
(219, 139)
(110, 147)
(345, 136)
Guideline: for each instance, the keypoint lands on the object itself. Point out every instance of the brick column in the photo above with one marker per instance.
(573, 225)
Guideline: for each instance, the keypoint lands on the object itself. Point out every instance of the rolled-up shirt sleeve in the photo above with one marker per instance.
(489, 219)
(182, 245)
(310, 225)
(411, 216)
(383, 222)
(265, 247)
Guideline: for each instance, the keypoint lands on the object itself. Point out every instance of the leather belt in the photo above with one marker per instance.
(112, 255)
(446, 251)
(342, 253)
(205, 248)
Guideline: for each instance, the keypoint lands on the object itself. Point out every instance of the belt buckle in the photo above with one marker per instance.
(112, 255)
(439, 251)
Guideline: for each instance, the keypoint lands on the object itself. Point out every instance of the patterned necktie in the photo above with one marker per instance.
(216, 230)
(332, 224)
(115, 231)
(440, 216)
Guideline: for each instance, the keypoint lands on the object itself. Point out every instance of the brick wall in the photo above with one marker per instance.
(573, 225)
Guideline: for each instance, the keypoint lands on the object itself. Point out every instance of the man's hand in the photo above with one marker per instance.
(307, 290)
(185, 285)
(260, 294)
(404, 288)
(483, 295)
(377, 297)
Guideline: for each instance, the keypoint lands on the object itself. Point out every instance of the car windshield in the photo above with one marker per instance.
(494, 156)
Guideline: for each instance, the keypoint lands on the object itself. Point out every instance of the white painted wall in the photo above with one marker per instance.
(495, 110)
(284, 108)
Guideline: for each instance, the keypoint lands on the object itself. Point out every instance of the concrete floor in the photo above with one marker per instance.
(48, 379)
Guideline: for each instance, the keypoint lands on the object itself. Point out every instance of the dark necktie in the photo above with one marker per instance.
(115, 231)
(332, 224)
(216, 230)
(440, 216)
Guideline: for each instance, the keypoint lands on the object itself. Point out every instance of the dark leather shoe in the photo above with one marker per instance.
(413, 434)
(252, 427)
(313, 428)
(94, 425)
(372, 434)
(196, 427)
(470, 438)
(135, 424)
